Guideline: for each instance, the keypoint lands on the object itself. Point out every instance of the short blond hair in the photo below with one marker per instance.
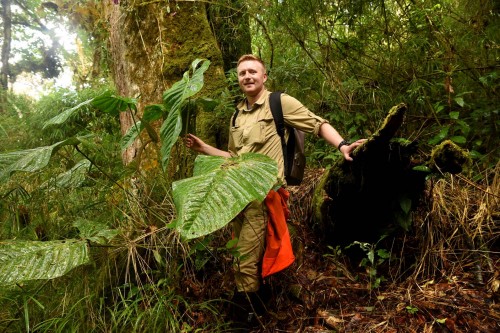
(250, 57)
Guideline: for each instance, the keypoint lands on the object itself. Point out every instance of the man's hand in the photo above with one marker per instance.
(193, 142)
(347, 149)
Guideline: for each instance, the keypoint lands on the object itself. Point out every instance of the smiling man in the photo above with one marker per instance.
(253, 130)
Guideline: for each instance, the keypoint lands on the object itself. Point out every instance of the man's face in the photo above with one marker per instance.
(251, 77)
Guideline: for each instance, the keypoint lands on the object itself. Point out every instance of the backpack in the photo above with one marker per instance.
(293, 149)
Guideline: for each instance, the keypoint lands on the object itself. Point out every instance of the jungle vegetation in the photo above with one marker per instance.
(104, 225)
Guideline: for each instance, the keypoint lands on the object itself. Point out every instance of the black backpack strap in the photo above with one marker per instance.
(277, 111)
(234, 116)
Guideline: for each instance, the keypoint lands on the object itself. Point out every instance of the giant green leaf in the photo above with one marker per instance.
(113, 105)
(33, 260)
(94, 231)
(186, 87)
(72, 178)
(63, 116)
(30, 160)
(169, 132)
(174, 98)
(219, 190)
(153, 112)
(132, 134)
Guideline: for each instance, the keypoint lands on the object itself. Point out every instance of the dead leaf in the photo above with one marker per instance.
(450, 324)
(400, 307)
(495, 284)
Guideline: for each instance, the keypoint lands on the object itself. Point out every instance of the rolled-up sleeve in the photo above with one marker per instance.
(298, 116)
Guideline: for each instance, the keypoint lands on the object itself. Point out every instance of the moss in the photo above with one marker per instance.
(320, 196)
(189, 38)
(448, 157)
(392, 123)
(157, 46)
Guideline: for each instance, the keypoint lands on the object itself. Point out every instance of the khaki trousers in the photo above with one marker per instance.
(250, 229)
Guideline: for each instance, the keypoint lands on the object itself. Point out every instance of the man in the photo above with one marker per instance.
(254, 130)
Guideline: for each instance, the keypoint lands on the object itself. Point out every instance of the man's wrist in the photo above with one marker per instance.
(342, 143)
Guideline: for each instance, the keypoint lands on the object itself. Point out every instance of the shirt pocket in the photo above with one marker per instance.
(237, 137)
(254, 134)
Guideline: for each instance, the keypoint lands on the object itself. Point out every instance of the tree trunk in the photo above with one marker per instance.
(231, 28)
(151, 46)
(7, 38)
(377, 192)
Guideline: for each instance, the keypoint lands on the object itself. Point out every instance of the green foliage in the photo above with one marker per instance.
(374, 258)
(70, 179)
(63, 114)
(30, 160)
(108, 103)
(27, 260)
(174, 98)
(350, 61)
(174, 110)
(411, 309)
(96, 232)
(12, 129)
(57, 185)
(166, 310)
(219, 189)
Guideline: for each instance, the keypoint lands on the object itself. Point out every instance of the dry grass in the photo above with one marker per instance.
(458, 226)
(301, 196)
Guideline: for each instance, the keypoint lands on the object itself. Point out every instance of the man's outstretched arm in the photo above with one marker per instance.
(196, 144)
(330, 135)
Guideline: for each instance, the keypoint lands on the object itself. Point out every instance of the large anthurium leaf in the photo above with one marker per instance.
(33, 260)
(220, 190)
(94, 231)
(112, 104)
(207, 104)
(174, 98)
(30, 160)
(186, 87)
(132, 134)
(72, 178)
(153, 112)
(205, 164)
(169, 132)
(63, 116)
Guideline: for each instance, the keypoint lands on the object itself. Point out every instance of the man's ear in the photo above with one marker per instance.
(265, 77)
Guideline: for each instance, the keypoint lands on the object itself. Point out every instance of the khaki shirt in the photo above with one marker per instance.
(255, 131)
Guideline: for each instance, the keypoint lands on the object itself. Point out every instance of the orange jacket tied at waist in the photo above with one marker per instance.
(279, 253)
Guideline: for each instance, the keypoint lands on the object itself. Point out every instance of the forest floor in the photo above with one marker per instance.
(323, 295)
(325, 290)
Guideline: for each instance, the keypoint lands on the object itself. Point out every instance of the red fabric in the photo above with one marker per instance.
(279, 253)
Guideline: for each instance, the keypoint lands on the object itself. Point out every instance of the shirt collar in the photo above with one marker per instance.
(242, 106)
